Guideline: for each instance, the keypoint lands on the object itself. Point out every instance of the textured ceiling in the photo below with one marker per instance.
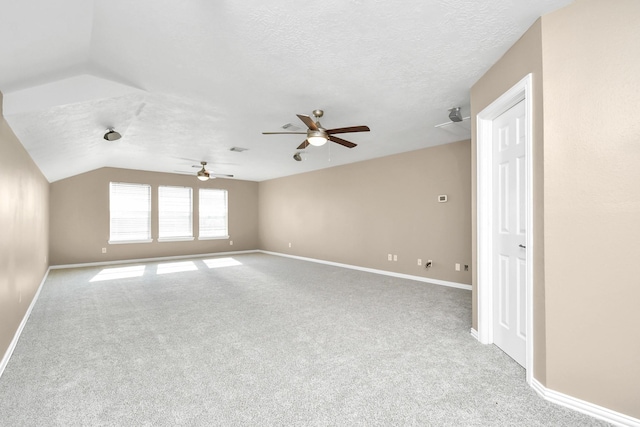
(187, 81)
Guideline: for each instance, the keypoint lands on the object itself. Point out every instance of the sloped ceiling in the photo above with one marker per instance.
(185, 81)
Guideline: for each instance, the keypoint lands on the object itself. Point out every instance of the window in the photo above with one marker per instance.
(175, 213)
(213, 214)
(129, 212)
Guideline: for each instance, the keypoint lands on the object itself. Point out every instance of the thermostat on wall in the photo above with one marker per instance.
(442, 198)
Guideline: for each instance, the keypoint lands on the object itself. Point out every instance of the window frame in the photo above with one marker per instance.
(116, 241)
(184, 238)
(201, 216)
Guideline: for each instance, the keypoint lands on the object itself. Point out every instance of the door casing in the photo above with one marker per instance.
(484, 210)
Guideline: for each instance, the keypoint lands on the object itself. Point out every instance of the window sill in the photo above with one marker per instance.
(126, 242)
(213, 238)
(175, 239)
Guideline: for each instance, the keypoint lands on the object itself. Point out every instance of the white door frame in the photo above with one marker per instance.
(484, 142)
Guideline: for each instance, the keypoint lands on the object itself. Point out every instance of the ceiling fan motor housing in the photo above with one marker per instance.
(454, 114)
(112, 135)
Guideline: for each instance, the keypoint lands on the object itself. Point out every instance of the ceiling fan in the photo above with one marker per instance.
(203, 174)
(317, 135)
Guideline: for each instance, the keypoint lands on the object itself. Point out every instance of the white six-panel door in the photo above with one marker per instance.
(510, 228)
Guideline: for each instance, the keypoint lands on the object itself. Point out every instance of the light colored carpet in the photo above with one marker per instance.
(260, 340)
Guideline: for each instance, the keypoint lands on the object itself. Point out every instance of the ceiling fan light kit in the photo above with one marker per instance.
(317, 138)
(203, 174)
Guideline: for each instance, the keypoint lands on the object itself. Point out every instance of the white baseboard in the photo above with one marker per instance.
(134, 261)
(337, 264)
(579, 405)
(584, 407)
(376, 271)
(16, 336)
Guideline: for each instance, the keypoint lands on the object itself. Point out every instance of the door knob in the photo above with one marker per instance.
(522, 246)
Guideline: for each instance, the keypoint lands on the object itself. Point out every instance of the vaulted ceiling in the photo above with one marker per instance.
(185, 81)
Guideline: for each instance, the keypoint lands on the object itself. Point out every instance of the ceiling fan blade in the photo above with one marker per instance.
(304, 145)
(284, 133)
(342, 141)
(308, 121)
(349, 129)
(219, 175)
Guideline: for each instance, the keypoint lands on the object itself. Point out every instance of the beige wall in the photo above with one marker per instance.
(24, 232)
(591, 56)
(80, 217)
(523, 58)
(358, 213)
(586, 61)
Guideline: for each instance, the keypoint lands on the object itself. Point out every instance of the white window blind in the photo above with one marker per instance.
(213, 213)
(129, 212)
(175, 213)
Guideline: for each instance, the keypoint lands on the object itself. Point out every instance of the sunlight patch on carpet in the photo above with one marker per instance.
(221, 262)
(119, 273)
(176, 267)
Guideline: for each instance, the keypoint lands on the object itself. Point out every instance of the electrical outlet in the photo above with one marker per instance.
(104, 250)
(457, 267)
(389, 257)
(419, 261)
(395, 257)
(289, 244)
(428, 264)
(230, 242)
(466, 267)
